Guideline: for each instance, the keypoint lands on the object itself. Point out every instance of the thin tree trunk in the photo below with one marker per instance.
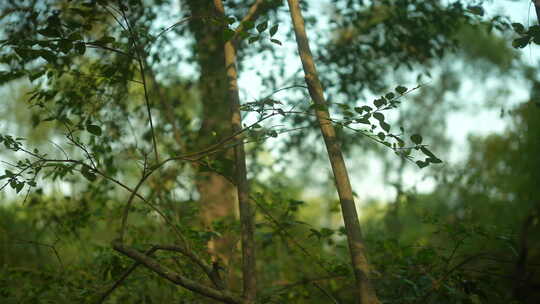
(246, 215)
(366, 293)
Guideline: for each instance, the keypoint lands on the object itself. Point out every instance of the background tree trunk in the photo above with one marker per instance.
(217, 194)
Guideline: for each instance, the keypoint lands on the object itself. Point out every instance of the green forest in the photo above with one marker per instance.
(270, 151)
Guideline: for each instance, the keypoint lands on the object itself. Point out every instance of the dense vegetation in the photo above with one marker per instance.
(194, 151)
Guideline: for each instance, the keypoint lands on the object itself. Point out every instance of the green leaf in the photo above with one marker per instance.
(381, 135)
(401, 90)
(427, 152)
(390, 95)
(80, 47)
(384, 126)
(378, 116)
(75, 36)
(421, 164)
(49, 32)
(19, 186)
(276, 41)
(65, 45)
(228, 34)
(85, 171)
(433, 160)
(273, 30)
(96, 130)
(521, 42)
(379, 102)
(248, 25)
(476, 9)
(48, 55)
(261, 27)
(105, 40)
(366, 108)
(363, 121)
(518, 27)
(416, 138)
(254, 39)
(36, 75)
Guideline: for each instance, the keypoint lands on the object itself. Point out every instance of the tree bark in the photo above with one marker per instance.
(217, 194)
(246, 215)
(364, 289)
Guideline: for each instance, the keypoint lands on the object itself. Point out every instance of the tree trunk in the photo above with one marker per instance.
(246, 215)
(366, 293)
(217, 194)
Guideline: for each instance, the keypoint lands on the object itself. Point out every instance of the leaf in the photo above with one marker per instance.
(65, 45)
(273, 30)
(49, 32)
(105, 40)
(381, 135)
(19, 186)
(96, 130)
(48, 55)
(427, 152)
(390, 95)
(248, 25)
(36, 75)
(421, 164)
(477, 10)
(75, 36)
(521, 42)
(276, 41)
(416, 138)
(401, 90)
(434, 160)
(363, 121)
(378, 116)
(80, 47)
(85, 171)
(261, 27)
(228, 34)
(379, 102)
(366, 108)
(384, 126)
(254, 39)
(518, 27)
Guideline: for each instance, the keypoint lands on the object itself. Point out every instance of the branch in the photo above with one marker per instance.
(145, 86)
(253, 10)
(179, 279)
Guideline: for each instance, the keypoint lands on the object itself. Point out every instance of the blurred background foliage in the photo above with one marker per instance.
(471, 236)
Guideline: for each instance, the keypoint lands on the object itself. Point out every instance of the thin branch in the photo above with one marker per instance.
(122, 278)
(177, 278)
(253, 10)
(134, 39)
